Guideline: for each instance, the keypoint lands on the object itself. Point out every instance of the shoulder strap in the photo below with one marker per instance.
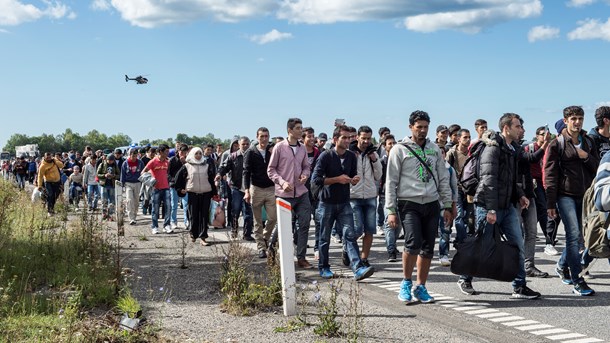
(422, 162)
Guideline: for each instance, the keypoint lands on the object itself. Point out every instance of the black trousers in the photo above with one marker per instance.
(198, 214)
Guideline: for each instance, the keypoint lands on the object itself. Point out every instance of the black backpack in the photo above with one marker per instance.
(469, 180)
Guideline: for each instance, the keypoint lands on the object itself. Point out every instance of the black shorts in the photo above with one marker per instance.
(420, 223)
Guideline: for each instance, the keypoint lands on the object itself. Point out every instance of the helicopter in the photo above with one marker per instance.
(139, 80)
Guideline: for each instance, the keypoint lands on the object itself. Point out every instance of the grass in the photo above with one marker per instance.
(54, 271)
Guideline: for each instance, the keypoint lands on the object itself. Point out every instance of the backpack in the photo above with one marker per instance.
(595, 225)
(469, 180)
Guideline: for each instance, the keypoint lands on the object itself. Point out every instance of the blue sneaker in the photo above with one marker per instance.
(362, 273)
(421, 293)
(583, 289)
(405, 291)
(325, 273)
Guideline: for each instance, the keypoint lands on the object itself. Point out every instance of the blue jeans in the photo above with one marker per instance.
(381, 210)
(74, 193)
(364, 215)
(343, 215)
(461, 227)
(158, 196)
(174, 200)
(570, 210)
(391, 234)
(508, 221)
(445, 236)
(21, 180)
(239, 205)
(93, 195)
(108, 199)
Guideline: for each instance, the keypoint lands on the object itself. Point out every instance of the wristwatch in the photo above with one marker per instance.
(492, 211)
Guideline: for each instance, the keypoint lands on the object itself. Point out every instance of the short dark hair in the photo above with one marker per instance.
(573, 111)
(601, 113)
(507, 119)
(542, 128)
(383, 129)
(307, 130)
(211, 146)
(365, 129)
(418, 115)
(388, 137)
(183, 147)
(351, 129)
(262, 129)
(162, 147)
(461, 132)
(454, 128)
(292, 122)
(480, 122)
(338, 129)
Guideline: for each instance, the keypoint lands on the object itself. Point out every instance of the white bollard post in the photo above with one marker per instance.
(284, 224)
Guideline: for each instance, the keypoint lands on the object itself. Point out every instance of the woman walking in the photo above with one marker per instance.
(196, 178)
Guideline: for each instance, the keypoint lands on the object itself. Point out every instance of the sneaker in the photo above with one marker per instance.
(249, 238)
(174, 226)
(466, 287)
(392, 256)
(564, 275)
(535, 272)
(337, 239)
(345, 258)
(525, 292)
(421, 293)
(365, 262)
(168, 229)
(362, 273)
(582, 289)
(262, 254)
(445, 261)
(155, 230)
(303, 264)
(132, 222)
(404, 294)
(233, 234)
(316, 255)
(550, 250)
(325, 273)
(380, 231)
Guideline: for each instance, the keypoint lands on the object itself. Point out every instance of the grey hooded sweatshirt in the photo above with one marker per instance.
(407, 179)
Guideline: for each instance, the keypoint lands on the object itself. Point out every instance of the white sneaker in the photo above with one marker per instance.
(168, 229)
(316, 255)
(155, 230)
(550, 250)
(132, 222)
(174, 226)
(445, 261)
(380, 231)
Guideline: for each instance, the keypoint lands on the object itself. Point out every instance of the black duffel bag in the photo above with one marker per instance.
(490, 257)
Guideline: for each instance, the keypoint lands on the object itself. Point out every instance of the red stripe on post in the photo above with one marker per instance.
(284, 205)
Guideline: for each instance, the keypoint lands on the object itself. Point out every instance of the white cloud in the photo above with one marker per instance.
(602, 103)
(271, 36)
(542, 33)
(4, 31)
(579, 3)
(15, 12)
(474, 20)
(100, 5)
(591, 29)
(153, 13)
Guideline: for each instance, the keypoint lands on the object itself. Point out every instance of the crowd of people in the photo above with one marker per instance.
(354, 190)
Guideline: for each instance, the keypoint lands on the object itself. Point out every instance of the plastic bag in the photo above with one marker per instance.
(217, 212)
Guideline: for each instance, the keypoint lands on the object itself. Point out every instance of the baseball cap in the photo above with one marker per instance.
(441, 128)
(323, 136)
(110, 157)
(560, 125)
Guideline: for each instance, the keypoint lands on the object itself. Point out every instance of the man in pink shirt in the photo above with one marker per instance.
(289, 169)
(158, 168)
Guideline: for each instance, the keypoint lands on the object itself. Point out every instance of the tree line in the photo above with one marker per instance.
(70, 140)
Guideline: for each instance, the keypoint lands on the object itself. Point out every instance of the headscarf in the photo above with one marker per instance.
(190, 158)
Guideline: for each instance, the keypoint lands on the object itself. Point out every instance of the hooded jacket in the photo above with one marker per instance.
(235, 165)
(568, 174)
(370, 173)
(408, 180)
(497, 189)
(602, 144)
(49, 172)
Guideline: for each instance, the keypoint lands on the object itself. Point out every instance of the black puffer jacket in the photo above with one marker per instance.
(568, 174)
(497, 189)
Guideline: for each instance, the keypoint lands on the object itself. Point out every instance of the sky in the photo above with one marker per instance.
(228, 67)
